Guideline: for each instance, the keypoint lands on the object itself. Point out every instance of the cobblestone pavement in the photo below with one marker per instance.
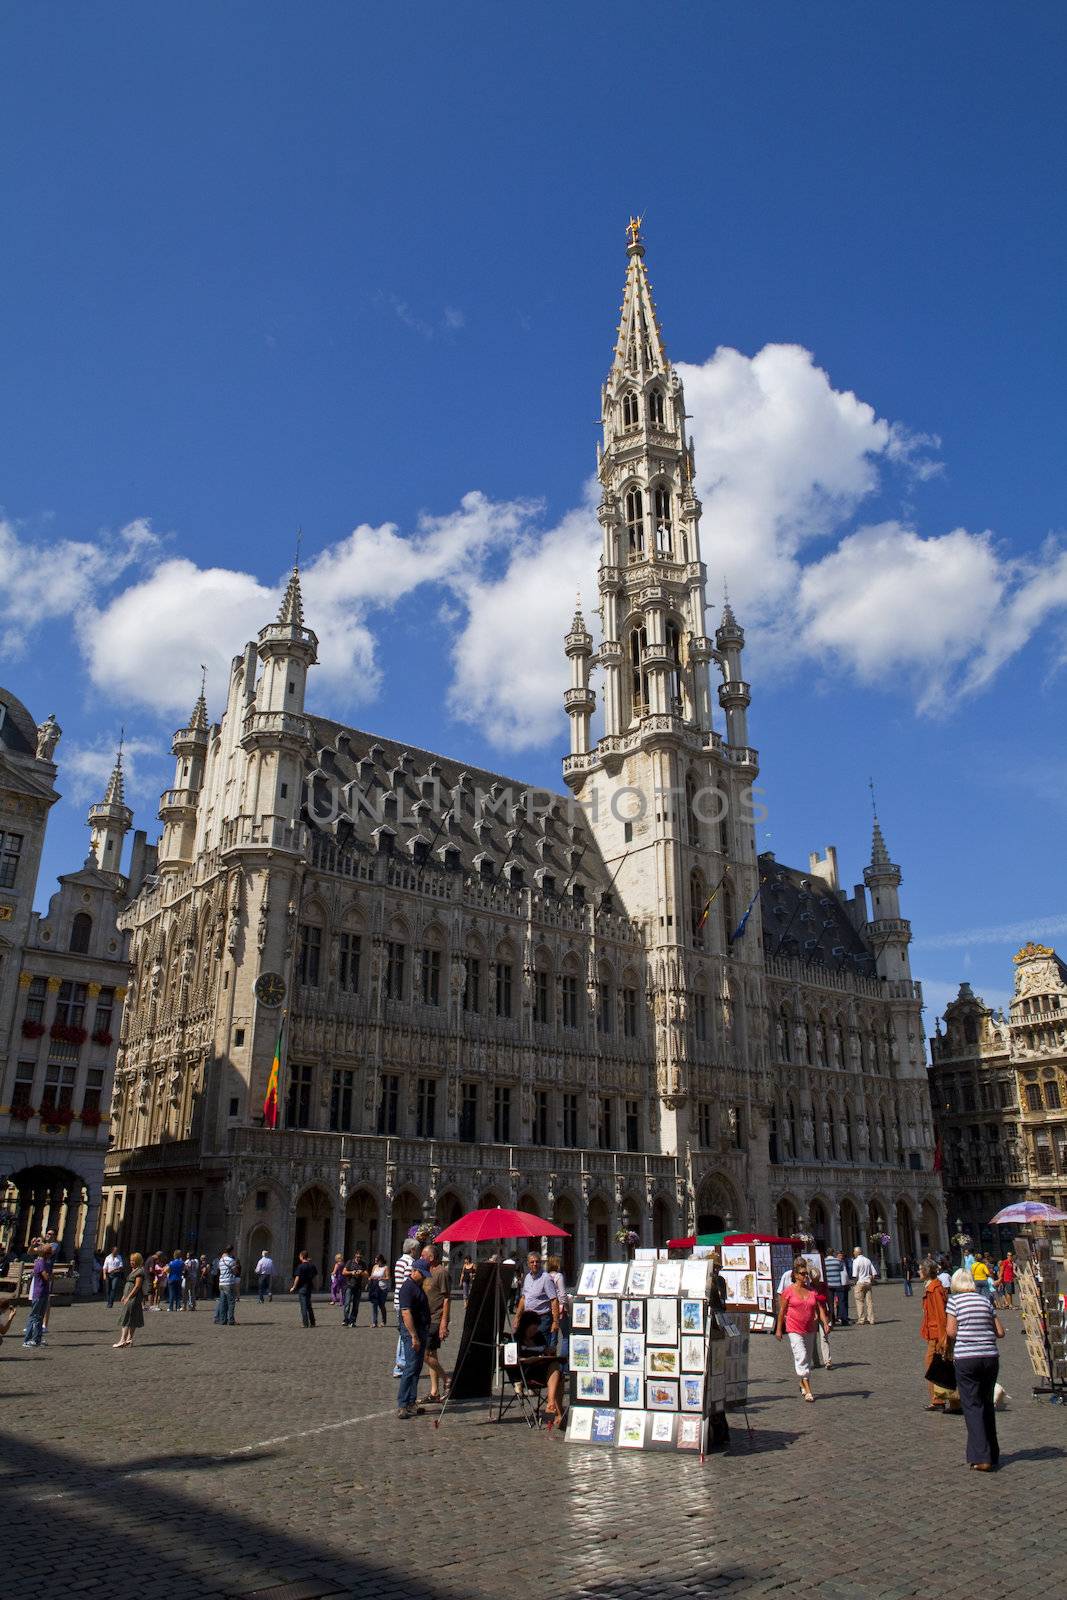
(221, 1462)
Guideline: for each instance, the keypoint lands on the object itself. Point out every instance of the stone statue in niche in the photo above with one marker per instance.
(48, 736)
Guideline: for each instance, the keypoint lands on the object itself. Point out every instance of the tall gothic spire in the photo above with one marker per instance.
(291, 611)
(110, 820)
(115, 794)
(639, 350)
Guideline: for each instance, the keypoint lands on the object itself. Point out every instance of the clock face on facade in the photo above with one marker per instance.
(270, 989)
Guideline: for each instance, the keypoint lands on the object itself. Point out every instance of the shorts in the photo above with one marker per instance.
(433, 1343)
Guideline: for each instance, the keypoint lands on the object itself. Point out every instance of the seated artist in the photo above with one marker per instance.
(537, 1365)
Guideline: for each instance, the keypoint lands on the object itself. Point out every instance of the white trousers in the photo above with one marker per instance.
(802, 1345)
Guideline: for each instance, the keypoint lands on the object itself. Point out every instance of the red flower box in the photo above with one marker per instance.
(57, 1116)
(67, 1033)
(23, 1113)
(101, 1036)
(90, 1117)
(32, 1030)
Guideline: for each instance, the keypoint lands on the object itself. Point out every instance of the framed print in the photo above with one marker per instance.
(692, 1352)
(594, 1386)
(690, 1434)
(581, 1352)
(661, 1363)
(613, 1278)
(631, 1353)
(581, 1315)
(605, 1352)
(695, 1279)
(589, 1282)
(639, 1278)
(605, 1316)
(605, 1422)
(692, 1318)
(661, 1394)
(633, 1316)
(691, 1394)
(661, 1321)
(631, 1431)
(580, 1425)
(668, 1278)
(659, 1433)
(632, 1390)
(740, 1288)
(736, 1258)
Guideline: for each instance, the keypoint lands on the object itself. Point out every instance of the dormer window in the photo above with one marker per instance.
(630, 414)
(655, 407)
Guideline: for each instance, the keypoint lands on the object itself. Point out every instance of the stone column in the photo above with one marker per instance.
(337, 1232)
(86, 1284)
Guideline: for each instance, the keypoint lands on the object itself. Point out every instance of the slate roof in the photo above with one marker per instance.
(463, 817)
(805, 920)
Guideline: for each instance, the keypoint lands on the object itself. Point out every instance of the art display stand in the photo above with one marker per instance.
(478, 1368)
(650, 1355)
(1041, 1283)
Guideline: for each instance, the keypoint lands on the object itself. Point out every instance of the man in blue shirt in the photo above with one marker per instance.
(414, 1310)
(40, 1289)
(175, 1274)
(837, 1283)
(539, 1294)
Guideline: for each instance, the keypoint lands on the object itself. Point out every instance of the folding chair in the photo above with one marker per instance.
(517, 1389)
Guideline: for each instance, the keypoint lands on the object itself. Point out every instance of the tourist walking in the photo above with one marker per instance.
(226, 1305)
(175, 1279)
(1006, 1280)
(438, 1291)
(821, 1350)
(983, 1277)
(414, 1313)
(265, 1277)
(190, 1276)
(337, 1281)
(355, 1281)
(466, 1278)
(132, 1302)
(203, 1282)
(933, 1329)
(798, 1314)
(973, 1325)
(837, 1289)
(864, 1273)
(33, 1335)
(907, 1268)
(114, 1267)
(377, 1284)
(303, 1285)
(401, 1268)
(554, 1268)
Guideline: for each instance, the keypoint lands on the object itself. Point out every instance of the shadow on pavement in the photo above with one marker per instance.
(137, 1532)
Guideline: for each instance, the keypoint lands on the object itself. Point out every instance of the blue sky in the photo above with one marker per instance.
(358, 269)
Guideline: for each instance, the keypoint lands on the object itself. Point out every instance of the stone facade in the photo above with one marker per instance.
(62, 986)
(998, 1085)
(491, 994)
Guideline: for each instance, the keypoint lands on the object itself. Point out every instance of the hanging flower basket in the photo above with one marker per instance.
(629, 1237)
(32, 1030)
(101, 1036)
(23, 1113)
(882, 1240)
(66, 1033)
(91, 1117)
(422, 1232)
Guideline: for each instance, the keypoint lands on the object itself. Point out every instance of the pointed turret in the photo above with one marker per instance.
(177, 806)
(291, 610)
(579, 699)
(887, 931)
(639, 348)
(734, 694)
(110, 821)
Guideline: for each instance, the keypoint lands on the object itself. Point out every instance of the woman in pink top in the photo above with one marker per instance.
(799, 1313)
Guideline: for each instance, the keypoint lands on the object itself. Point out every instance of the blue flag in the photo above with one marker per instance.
(743, 924)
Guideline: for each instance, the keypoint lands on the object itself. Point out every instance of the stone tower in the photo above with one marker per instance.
(668, 798)
(110, 820)
(177, 806)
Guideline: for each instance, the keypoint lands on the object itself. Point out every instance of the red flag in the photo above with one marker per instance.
(939, 1160)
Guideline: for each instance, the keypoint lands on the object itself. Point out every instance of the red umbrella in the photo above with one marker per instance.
(499, 1224)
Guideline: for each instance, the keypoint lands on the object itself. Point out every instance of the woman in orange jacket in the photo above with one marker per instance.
(933, 1329)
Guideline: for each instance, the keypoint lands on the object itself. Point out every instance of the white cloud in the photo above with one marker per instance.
(1003, 933)
(85, 769)
(41, 581)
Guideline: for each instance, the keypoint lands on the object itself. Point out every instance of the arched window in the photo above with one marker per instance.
(791, 1121)
(697, 901)
(785, 1029)
(729, 916)
(630, 412)
(635, 522)
(674, 650)
(831, 1133)
(80, 933)
(655, 407)
(638, 675)
(661, 506)
(692, 821)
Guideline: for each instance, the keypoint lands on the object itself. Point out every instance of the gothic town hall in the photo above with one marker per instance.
(600, 1005)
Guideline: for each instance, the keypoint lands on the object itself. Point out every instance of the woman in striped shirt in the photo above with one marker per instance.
(975, 1327)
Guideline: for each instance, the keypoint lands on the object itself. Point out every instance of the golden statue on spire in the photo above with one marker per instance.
(633, 231)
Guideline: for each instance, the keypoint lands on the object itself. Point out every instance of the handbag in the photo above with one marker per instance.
(941, 1371)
